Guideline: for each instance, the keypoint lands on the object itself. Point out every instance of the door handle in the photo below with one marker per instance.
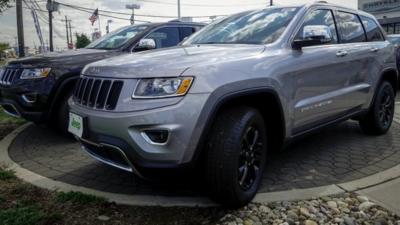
(341, 53)
(374, 49)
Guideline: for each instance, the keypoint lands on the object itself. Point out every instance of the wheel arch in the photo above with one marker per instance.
(62, 87)
(266, 100)
(391, 75)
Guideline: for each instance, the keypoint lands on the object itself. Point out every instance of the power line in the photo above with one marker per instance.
(90, 11)
(200, 5)
(121, 13)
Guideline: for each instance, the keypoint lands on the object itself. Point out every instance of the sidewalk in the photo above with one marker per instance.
(387, 194)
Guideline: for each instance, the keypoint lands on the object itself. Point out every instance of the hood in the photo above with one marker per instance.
(171, 61)
(78, 56)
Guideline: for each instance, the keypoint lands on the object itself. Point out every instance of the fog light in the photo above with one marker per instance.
(156, 136)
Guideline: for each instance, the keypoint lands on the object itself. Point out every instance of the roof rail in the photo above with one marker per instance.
(321, 2)
(175, 20)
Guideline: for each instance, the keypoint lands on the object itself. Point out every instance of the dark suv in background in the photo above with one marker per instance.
(37, 88)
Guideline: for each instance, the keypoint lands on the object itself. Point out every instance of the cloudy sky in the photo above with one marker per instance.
(81, 24)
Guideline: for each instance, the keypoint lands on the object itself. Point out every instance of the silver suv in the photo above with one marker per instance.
(241, 87)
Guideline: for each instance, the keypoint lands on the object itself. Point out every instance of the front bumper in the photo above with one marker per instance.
(123, 131)
(23, 101)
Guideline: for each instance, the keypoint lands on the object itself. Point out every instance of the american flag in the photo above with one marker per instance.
(94, 16)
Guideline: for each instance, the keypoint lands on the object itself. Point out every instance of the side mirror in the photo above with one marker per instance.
(146, 44)
(313, 35)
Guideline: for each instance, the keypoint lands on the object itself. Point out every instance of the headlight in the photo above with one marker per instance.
(35, 73)
(162, 87)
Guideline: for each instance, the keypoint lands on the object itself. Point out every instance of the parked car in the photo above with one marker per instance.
(395, 40)
(37, 88)
(239, 88)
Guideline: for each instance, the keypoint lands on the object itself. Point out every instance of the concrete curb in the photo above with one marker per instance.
(150, 200)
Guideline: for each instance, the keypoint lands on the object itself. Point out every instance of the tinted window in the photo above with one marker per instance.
(186, 32)
(350, 28)
(251, 27)
(165, 37)
(394, 40)
(372, 29)
(320, 17)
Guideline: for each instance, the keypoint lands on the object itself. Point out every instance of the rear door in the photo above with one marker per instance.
(359, 56)
(377, 46)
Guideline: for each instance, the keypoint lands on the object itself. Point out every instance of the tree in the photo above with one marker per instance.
(3, 46)
(5, 4)
(81, 40)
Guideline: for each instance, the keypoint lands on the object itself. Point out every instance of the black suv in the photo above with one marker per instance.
(37, 88)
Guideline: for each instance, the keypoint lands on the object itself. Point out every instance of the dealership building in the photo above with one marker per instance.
(386, 11)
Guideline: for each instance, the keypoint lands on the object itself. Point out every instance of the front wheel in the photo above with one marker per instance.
(236, 156)
(380, 117)
(62, 116)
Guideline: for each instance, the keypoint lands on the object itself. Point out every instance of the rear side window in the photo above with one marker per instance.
(350, 28)
(165, 37)
(186, 32)
(320, 17)
(373, 31)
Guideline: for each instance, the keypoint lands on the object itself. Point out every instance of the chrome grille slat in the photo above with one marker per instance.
(8, 76)
(85, 81)
(108, 95)
(97, 93)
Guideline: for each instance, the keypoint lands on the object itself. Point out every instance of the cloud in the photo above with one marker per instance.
(81, 24)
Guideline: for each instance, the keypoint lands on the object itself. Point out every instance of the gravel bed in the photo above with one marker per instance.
(346, 209)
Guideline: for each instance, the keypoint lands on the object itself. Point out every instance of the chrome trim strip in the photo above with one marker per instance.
(131, 167)
(18, 115)
(108, 162)
(27, 100)
(148, 140)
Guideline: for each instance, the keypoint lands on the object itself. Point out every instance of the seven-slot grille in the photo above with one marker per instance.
(8, 76)
(97, 93)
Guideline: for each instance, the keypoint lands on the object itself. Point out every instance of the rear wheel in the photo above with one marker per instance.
(379, 119)
(236, 156)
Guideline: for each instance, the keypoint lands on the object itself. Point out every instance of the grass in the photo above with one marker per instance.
(77, 197)
(22, 215)
(7, 174)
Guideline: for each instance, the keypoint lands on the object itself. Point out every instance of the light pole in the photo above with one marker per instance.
(108, 26)
(179, 9)
(133, 7)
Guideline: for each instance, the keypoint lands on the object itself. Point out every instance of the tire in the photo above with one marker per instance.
(226, 160)
(62, 116)
(380, 116)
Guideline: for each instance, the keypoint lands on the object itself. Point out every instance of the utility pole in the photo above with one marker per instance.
(70, 33)
(66, 29)
(50, 9)
(108, 26)
(271, 3)
(20, 29)
(179, 9)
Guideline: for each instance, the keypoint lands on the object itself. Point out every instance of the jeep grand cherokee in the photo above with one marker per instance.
(240, 87)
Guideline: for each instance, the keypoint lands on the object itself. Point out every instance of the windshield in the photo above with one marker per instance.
(255, 27)
(117, 38)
